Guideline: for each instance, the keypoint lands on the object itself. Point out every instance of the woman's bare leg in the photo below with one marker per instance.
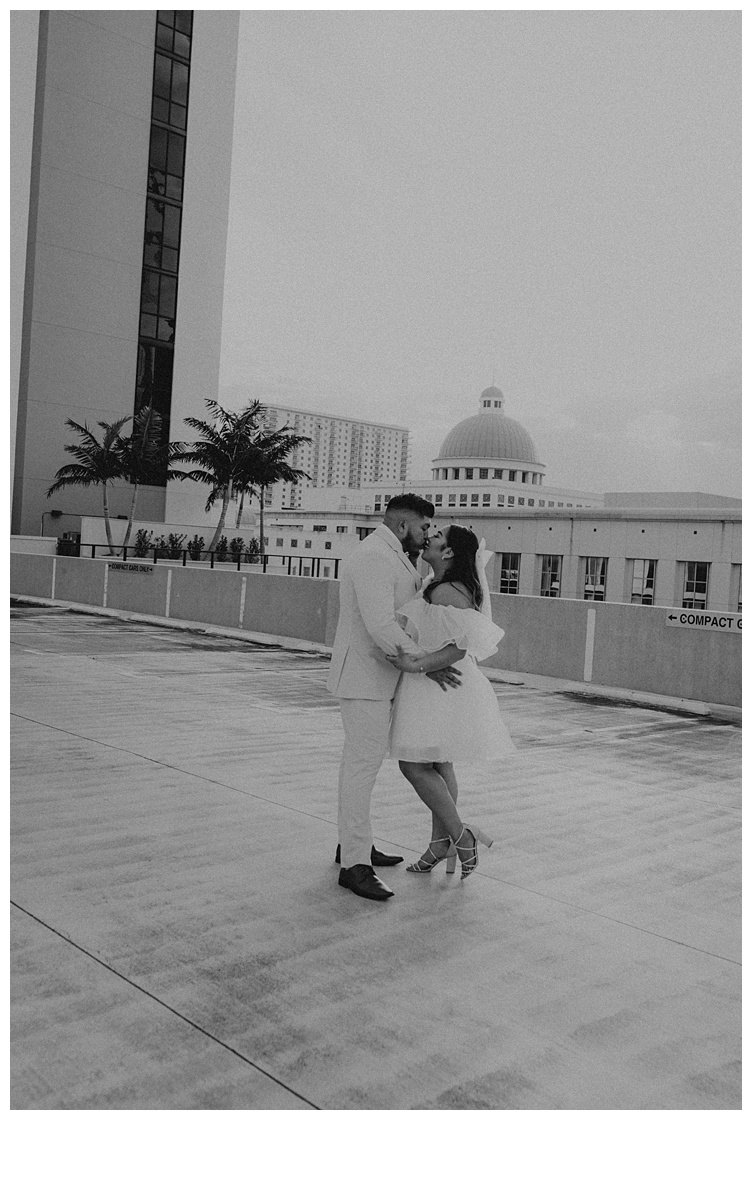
(432, 787)
(446, 771)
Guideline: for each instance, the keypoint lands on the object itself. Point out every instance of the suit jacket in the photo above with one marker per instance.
(377, 579)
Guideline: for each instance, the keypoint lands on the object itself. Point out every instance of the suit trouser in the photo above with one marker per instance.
(366, 726)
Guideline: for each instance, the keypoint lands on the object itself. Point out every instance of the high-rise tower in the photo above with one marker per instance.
(123, 138)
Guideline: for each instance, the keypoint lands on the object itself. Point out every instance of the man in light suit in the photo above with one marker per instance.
(377, 579)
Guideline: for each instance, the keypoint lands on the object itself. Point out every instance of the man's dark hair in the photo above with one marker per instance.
(409, 502)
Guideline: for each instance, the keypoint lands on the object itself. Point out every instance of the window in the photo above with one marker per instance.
(307, 545)
(174, 32)
(163, 214)
(643, 581)
(525, 476)
(486, 499)
(695, 590)
(319, 529)
(294, 543)
(170, 94)
(550, 575)
(550, 504)
(463, 499)
(512, 476)
(327, 545)
(438, 500)
(280, 541)
(541, 504)
(474, 499)
(595, 578)
(455, 472)
(520, 500)
(452, 499)
(531, 502)
(500, 501)
(736, 587)
(498, 474)
(341, 529)
(483, 473)
(162, 235)
(510, 574)
(468, 472)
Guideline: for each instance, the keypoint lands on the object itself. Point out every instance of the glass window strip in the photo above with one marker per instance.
(163, 218)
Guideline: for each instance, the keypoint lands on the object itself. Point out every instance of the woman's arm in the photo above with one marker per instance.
(424, 663)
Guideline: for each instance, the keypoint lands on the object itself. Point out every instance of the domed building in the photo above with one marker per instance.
(489, 445)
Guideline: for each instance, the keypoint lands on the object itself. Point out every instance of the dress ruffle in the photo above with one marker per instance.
(459, 724)
(436, 625)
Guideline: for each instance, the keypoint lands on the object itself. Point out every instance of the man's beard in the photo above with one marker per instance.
(410, 546)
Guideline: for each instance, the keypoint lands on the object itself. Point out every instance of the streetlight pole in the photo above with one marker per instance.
(52, 512)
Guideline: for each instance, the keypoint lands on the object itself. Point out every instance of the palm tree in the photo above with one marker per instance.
(145, 459)
(97, 463)
(266, 463)
(219, 453)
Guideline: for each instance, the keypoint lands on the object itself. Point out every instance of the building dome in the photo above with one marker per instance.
(489, 434)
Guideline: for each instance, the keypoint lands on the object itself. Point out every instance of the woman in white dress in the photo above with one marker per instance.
(433, 728)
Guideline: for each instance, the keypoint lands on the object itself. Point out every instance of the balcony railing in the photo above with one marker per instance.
(306, 565)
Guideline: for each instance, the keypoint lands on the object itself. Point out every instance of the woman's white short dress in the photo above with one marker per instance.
(459, 724)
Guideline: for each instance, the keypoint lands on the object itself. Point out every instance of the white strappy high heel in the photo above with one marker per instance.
(422, 866)
(469, 863)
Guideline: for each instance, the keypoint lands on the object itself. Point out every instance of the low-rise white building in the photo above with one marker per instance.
(661, 548)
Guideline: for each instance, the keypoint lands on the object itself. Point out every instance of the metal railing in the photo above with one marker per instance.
(304, 565)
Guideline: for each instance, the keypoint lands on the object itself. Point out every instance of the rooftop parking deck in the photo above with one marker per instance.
(179, 940)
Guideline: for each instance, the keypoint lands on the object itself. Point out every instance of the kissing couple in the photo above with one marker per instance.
(404, 668)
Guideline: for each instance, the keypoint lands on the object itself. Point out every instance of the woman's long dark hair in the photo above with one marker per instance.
(463, 542)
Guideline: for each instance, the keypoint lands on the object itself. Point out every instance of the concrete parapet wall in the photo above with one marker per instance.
(79, 579)
(209, 596)
(618, 645)
(282, 605)
(32, 575)
(143, 592)
(630, 646)
(28, 544)
(290, 607)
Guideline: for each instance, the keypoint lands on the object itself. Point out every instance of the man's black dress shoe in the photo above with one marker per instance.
(364, 881)
(378, 859)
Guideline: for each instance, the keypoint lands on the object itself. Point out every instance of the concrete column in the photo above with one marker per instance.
(527, 575)
(615, 573)
(719, 595)
(569, 571)
(665, 583)
(719, 590)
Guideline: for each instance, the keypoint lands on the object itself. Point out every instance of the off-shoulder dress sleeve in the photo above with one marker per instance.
(436, 625)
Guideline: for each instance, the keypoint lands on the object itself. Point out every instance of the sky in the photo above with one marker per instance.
(424, 202)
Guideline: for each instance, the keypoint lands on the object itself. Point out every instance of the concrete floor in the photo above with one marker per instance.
(179, 940)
